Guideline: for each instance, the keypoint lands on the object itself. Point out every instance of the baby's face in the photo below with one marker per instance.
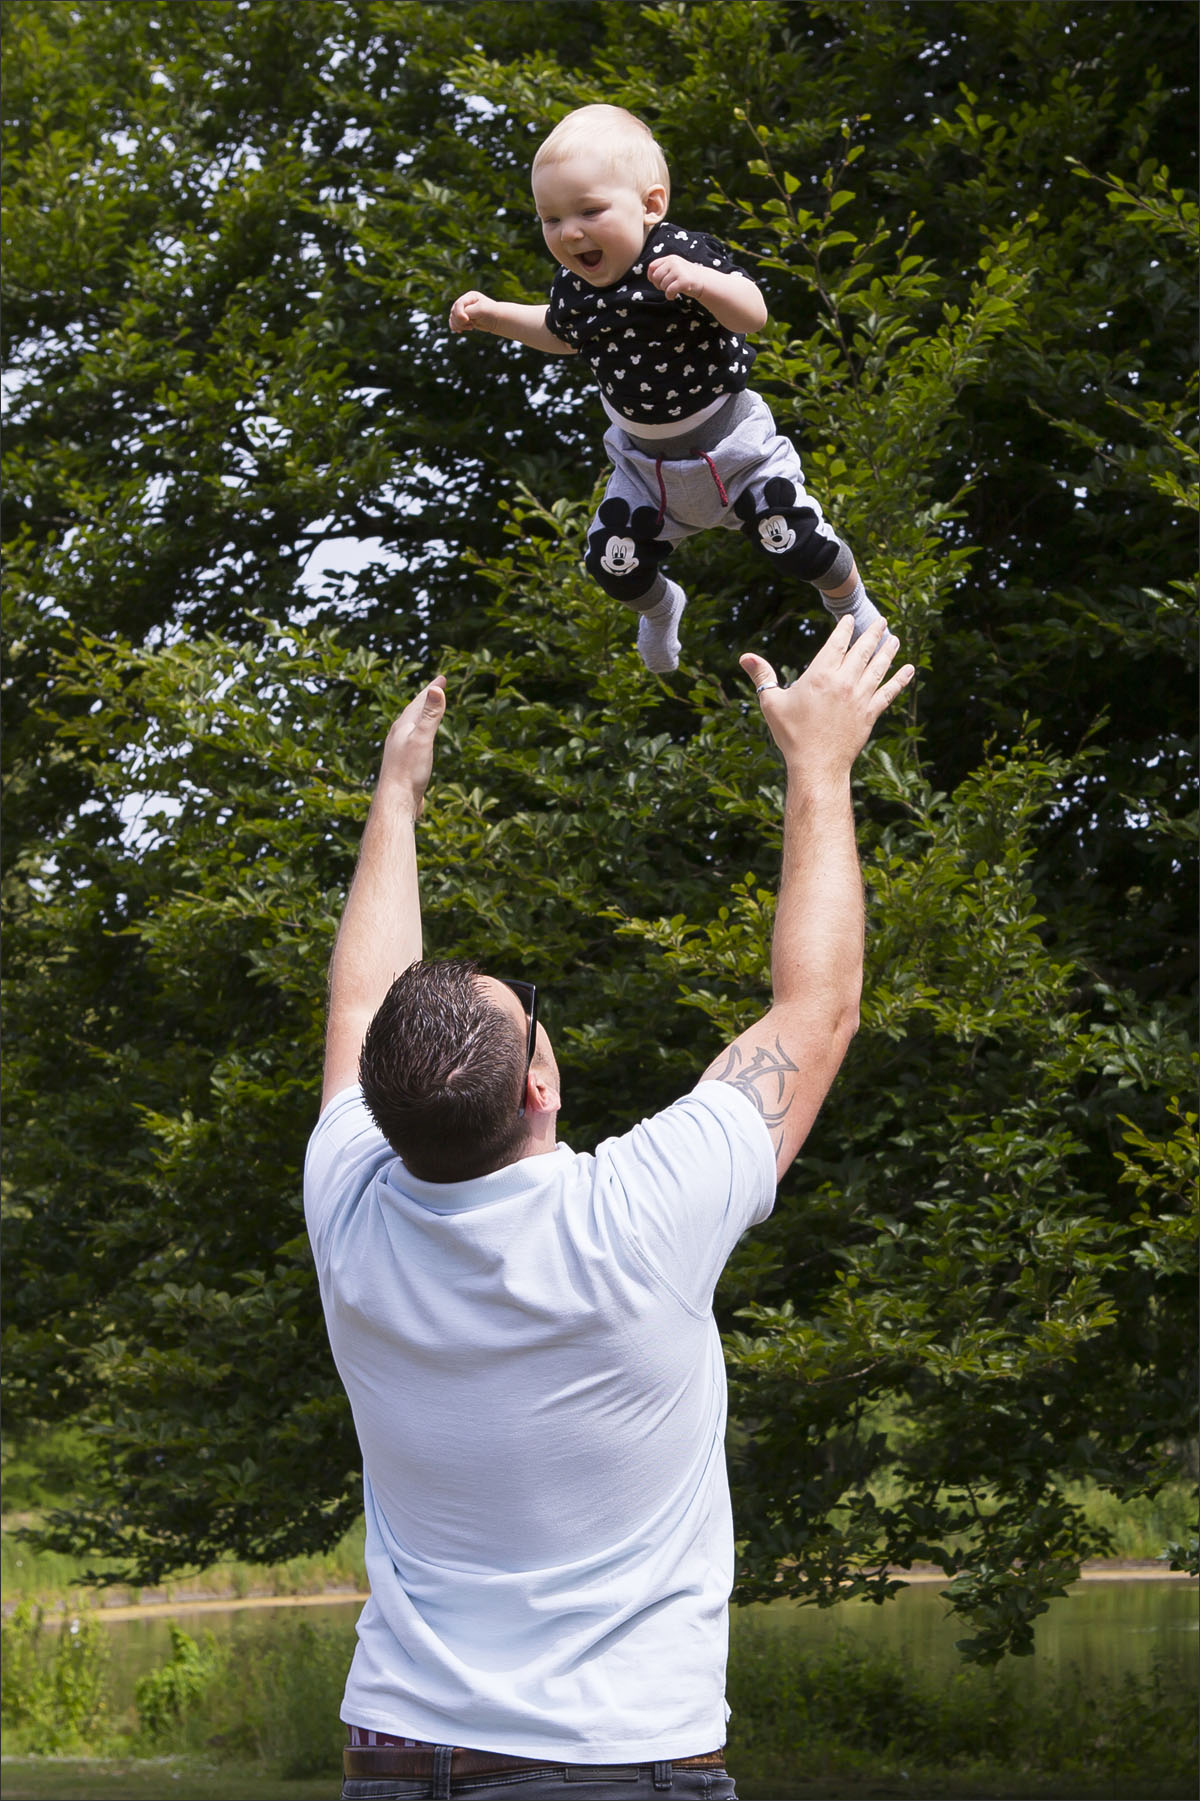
(593, 219)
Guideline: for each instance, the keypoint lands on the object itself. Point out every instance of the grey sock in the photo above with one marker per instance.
(860, 608)
(658, 635)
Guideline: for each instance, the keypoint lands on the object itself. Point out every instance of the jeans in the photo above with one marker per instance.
(611, 1782)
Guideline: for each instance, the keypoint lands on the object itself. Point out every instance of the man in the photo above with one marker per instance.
(526, 1335)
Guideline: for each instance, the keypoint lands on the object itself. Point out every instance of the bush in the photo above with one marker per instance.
(302, 1686)
(272, 1701)
(166, 1696)
(798, 1715)
(58, 1703)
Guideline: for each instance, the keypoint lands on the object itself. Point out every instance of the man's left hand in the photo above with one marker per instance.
(408, 752)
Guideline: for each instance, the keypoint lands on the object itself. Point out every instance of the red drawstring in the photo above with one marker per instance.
(662, 487)
(712, 470)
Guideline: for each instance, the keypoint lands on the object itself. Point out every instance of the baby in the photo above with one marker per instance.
(662, 314)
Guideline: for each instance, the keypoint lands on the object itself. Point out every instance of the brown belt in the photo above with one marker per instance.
(366, 1762)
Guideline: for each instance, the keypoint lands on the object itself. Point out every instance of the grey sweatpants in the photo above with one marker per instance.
(734, 471)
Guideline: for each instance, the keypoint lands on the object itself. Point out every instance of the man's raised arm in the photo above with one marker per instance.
(785, 1063)
(380, 933)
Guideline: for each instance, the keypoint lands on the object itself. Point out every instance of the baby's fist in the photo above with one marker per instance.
(674, 275)
(463, 314)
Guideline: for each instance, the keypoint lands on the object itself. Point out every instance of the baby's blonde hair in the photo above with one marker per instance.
(626, 145)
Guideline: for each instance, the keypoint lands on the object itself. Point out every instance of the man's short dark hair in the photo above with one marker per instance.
(443, 1073)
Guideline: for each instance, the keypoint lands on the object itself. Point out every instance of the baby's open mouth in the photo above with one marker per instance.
(590, 258)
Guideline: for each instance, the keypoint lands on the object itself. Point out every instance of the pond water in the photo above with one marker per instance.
(1105, 1628)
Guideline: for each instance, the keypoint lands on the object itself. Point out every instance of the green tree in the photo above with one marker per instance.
(232, 235)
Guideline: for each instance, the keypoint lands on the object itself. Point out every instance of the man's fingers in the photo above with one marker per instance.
(832, 653)
(843, 650)
(886, 695)
(876, 648)
(873, 652)
(873, 639)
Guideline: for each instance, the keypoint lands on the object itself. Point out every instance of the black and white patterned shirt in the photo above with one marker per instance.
(656, 360)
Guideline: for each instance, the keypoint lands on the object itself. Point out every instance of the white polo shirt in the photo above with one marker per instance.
(539, 1393)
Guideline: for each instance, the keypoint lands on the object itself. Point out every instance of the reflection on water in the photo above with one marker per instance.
(1107, 1629)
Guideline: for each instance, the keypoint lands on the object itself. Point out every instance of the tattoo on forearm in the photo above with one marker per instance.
(764, 1081)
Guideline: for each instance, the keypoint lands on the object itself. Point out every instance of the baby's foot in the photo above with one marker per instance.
(658, 635)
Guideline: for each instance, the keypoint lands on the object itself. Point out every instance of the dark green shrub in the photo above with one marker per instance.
(166, 1696)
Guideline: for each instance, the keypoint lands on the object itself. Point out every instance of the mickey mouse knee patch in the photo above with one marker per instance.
(623, 552)
(793, 534)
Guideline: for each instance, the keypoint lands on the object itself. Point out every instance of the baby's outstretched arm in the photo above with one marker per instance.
(474, 311)
(733, 300)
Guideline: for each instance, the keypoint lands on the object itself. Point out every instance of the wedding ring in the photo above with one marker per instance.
(762, 686)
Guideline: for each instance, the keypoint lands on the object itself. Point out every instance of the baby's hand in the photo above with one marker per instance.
(468, 311)
(674, 275)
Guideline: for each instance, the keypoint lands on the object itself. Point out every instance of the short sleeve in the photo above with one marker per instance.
(561, 316)
(345, 1153)
(691, 1181)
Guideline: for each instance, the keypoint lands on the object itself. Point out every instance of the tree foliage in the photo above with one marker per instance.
(232, 232)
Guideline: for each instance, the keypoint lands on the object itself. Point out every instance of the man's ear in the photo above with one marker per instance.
(654, 204)
(541, 1095)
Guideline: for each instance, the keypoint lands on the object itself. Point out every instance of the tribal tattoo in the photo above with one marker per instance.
(764, 1081)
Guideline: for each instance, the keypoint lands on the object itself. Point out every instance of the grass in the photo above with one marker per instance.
(150, 1779)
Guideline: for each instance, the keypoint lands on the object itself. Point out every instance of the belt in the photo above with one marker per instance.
(366, 1762)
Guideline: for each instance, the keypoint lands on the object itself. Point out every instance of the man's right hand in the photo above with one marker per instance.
(822, 721)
